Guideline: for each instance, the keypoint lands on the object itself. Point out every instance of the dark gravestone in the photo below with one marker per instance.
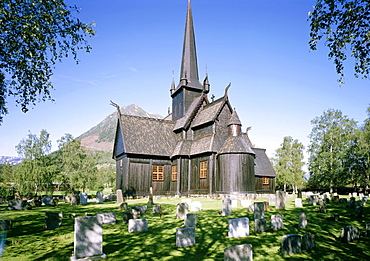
(5, 225)
(53, 219)
(308, 242)
(368, 229)
(47, 200)
(259, 210)
(123, 206)
(18, 204)
(260, 225)
(126, 216)
(299, 195)
(351, 203)
(290, 244)
(350, 234)
(358, 212)
(141, 209)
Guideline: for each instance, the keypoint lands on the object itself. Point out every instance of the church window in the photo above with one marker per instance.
(174, 172)
(265, 181)
(157, 172)
(203, 169)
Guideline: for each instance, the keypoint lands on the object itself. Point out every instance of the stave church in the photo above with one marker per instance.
(198, 149)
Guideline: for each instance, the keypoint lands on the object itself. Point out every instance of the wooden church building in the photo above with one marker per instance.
(198, 149)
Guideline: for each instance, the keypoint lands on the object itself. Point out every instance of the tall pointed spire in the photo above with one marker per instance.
(189, 64)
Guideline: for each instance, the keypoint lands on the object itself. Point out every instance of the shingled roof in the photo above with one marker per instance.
(185, 121)
(263, 166)
(147, 136)
(208, 113)
(236, 144)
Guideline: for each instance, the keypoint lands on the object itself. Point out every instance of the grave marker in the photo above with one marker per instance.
(277, 222)
(83, 198)
(280, 200)
(119, 196)
(260, 225)
(350, 234)
(181, 210)
(239, 252)
(99, 197)
(290, 244)
(298, 203)
(238, 227)
(53, 219)
(108, 218)
(259, 210)
(185, 236)
(137, 225)
(226, 207)
(302, 220)
(190, 220)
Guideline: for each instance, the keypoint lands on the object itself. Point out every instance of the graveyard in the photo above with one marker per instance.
(261, 225)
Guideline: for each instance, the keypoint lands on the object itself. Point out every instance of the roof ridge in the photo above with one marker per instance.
(148, 118)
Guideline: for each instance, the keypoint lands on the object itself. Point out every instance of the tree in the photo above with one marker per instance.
(77, 163)
(331, 138)
(345, 24)
(37, 171)
(34, 35)
(288, 164)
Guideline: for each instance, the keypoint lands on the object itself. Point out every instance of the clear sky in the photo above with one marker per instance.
(261, 47)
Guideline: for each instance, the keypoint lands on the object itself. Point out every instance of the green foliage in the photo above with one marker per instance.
(288, 164)
(345, 26)
(34, 35)
(28, 240)
(78, 165)
(331, 139)
(6, 173)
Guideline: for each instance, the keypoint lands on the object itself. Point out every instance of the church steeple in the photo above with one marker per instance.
(189, 86)
(189, 64)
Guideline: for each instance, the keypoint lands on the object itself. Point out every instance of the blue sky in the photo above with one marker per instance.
(261, 47)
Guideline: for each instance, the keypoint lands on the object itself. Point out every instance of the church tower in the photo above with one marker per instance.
(189, 86)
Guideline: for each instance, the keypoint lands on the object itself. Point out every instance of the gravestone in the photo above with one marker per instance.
(234, 203)
(123, 206)
(67, 199)
(298, 203)
(238, 227)
(350, 234)
(18, 204)
(99, 197)
(156, 209)
(322, 206)
(302, 220)
(226, 207)
(313, 200)
(53, 219)
(239, 252)
(126, 216)
(354, 194)
(260, 225)
(336, 199)
(75, 198)
(358, 212)
(185, 237)
(245, 203)
(119, 196)
(266, 205)
(277, 222)
(137, 225)
(190, 220)
(108, 218)
(83, 198)
(336, 217)
(6, 224)
(259, 210)
(352, 202)
(35, 203)
(141, 209)
(195, 206)
(299, 194)
(342, 200)
(47, 200)
(368, 229)
(280, 199)
(290, 244)
(55, 202)
(308, 242)
(364, 200)
(181, 210)
(135, 213)
(88, 238)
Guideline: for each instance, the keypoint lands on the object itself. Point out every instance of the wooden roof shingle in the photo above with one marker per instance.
(263, 165)
(236, 144)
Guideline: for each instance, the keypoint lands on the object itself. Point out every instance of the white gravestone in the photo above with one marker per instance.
(238, 227)
(119, 196)
(277, 222)
(302, 220)
(226, 207)
(88, 238)
(245, 203)
(239, 252)
(234, 203)
(137, 225)
(190, 220)
(185, 236)
(298, 203)
(195, 206)
(108, 218)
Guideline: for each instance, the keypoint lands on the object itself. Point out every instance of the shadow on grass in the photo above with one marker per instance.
(30, 240)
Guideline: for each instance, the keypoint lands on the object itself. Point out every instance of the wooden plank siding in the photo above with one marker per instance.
(265, 187)
(199, 185)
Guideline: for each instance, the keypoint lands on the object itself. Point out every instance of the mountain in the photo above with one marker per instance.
(11, 160)
(101, 136)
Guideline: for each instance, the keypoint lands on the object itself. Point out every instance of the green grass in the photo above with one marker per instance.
(29, 240)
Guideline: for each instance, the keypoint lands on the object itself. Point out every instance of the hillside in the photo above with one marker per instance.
(101, 136)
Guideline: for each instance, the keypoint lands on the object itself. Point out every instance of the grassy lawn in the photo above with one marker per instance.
(29, 240)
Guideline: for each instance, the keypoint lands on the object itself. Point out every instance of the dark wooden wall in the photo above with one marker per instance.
(235, 173)
(265, 188)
